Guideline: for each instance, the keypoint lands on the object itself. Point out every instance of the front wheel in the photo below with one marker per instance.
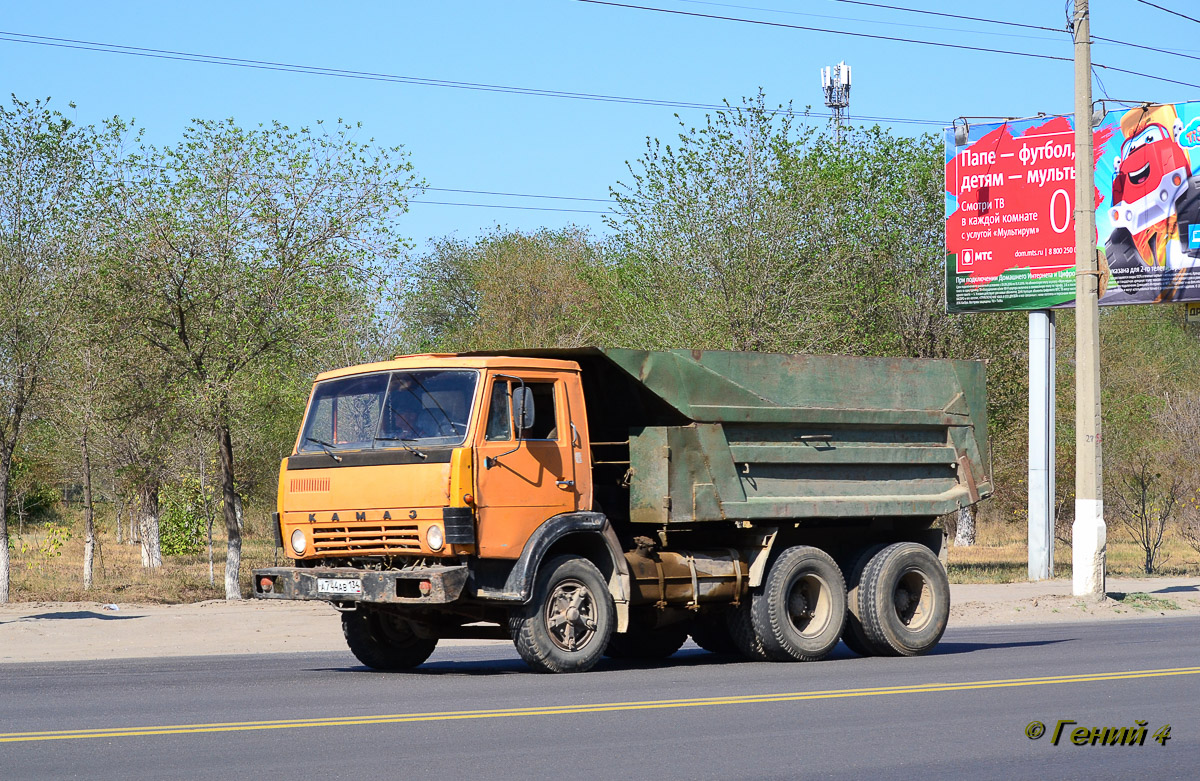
(904, 597)
(383, 641)
(568, 623)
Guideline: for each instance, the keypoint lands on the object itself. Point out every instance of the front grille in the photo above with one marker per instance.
(367, 538)
(301, 485)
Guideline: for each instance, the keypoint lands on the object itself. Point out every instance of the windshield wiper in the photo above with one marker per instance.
(404, 444)
(328, 448)
(402, 440)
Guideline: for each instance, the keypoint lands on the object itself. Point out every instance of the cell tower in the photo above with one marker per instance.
(835, 81)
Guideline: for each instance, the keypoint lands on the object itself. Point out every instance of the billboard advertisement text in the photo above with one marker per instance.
(1010, 199)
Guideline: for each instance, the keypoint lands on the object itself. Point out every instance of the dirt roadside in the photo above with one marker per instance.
(78, 631)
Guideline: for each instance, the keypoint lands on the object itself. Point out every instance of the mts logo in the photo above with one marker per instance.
(969, 257)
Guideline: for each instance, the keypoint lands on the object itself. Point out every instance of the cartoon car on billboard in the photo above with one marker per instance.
(1155, 201)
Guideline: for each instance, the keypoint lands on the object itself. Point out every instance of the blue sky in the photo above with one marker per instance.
(477, 140)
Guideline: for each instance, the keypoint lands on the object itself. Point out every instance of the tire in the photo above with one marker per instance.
(648, 644)
(1187, 210)
(853, 634)
(745, 639)
(711, 632)
(568, 623)
(1122, 253)
(905, 600)
(802, 608)
(383, 641)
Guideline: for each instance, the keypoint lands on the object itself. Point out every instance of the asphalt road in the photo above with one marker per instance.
(476, 712)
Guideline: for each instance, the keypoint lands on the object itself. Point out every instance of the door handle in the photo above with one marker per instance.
(565, 483)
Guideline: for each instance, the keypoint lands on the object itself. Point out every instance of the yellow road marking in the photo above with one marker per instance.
(606, 707)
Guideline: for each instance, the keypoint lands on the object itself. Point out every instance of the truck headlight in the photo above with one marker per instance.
(298, 541)
(435, 537)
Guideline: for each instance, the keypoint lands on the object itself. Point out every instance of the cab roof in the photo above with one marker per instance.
(454, 361)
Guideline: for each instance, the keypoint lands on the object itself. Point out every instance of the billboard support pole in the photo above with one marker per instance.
(1041, 444)
(1088, 533)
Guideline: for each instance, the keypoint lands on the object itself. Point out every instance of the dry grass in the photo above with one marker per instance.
(1000, 556)
(118, 574)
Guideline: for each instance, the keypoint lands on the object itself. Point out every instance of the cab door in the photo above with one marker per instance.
(523, 480)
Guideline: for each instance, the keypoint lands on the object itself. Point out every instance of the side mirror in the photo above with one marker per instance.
(522, 410)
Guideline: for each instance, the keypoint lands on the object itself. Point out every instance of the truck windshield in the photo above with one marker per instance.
(390, 409)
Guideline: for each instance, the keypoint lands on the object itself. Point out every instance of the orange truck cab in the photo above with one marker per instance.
(613, 502)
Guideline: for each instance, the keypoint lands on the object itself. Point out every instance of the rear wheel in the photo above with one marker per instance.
(853, 634)
(711, 632)
(384, 641)
(802, 608)
(640, 643)
(746, 639)
(905, 600)
(567, 625)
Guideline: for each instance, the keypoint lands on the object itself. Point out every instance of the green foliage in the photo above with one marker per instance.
(47, 544)
(504, 289)
(184, 511)
(31, 498)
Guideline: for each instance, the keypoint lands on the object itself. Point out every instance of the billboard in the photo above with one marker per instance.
(1010, 193)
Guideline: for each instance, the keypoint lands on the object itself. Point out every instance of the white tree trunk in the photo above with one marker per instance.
(5, 470)
(229, 503)
(89, 516)
(148, 528)
(4, 565)
(965, 535)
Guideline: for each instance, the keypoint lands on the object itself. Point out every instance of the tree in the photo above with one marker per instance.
(754, 234)
(505, 289)
(46, 178)
(232, 252)
(1146, 503)
(713, 240)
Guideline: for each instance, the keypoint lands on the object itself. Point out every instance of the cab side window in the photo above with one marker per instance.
(499, 422)
(545, 419)
(500, 414)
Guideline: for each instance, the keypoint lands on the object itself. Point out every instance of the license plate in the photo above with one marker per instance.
(339, 586)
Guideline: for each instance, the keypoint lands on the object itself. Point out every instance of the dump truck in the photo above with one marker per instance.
(592, 502)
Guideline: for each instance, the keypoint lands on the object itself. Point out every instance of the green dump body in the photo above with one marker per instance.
(743, 436)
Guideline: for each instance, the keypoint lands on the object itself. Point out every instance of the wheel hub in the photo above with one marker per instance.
(571, 615)
(913, 599)
(808, 605)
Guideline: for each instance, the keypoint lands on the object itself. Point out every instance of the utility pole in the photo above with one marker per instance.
(1088, 534)
(835, 82)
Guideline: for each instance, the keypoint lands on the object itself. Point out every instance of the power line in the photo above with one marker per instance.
(522, 208)
(949, 16)
(874, 21)
(515, 195)
(947, 29)
(316, 70)
(423, 189)
(1115, 69)
(1168, 10)
(827, 30)
(1145, 47)
(885, 38)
